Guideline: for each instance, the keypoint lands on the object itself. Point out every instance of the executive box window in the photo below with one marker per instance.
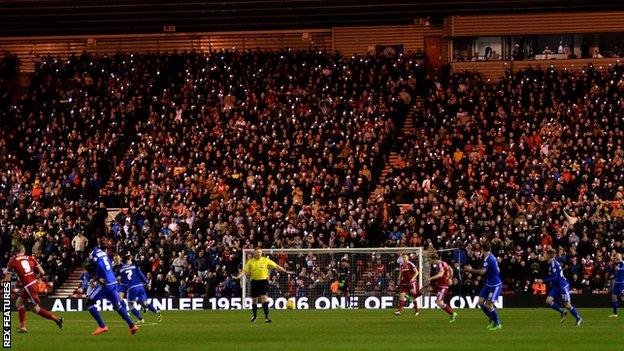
(539, 47)
(478, 49)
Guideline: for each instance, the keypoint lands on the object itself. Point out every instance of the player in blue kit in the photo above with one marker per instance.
(133, 286)
(106, 288)
(617, 291)
(491, 289)
(558, 288)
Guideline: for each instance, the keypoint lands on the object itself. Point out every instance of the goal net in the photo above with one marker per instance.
(336, 278)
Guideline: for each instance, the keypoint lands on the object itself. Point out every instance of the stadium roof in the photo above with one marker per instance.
(56, 17)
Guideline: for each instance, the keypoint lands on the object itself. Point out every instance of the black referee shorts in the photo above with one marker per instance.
(259, 287)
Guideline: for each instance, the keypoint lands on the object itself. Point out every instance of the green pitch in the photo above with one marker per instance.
(523, 329)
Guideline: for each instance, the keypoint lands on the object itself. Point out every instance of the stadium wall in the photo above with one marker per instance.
(347, 40)
(493, 70)
(360, 40)
(30, 48)
(537, 23)
(371, 302)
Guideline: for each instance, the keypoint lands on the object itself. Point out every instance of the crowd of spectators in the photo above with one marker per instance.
(534, 160)
(209, 154)
(206, 154)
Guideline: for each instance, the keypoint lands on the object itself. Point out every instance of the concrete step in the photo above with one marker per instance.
(65, 291)
(394, 158)
(69, 285)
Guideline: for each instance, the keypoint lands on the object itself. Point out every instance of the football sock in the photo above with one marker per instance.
(401, 304)
(265, 308)
(614, 305)
(46, 314)
(123, 313)
(447, 309)
(486, 311)
(254, 309)
(415, 303)
(574, 312)
(136, 313)
(556, 307)
(96, 315)
(494, 316)
(151, 308)
(22, 316)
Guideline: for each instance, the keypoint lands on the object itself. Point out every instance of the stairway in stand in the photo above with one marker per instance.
(72, 282)
(394, 159)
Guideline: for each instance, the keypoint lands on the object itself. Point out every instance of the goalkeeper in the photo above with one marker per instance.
(344, 280)
(258, 267)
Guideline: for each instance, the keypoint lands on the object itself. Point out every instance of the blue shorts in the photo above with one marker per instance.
(137, 293)
(491, 293)
(618, 289)
(560, 293)
(108, 292)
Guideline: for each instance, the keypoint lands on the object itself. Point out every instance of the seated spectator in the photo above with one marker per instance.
(596, 53)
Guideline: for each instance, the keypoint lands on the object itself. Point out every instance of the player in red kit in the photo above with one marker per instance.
(26, 267)
(407, 283)
(439, 283)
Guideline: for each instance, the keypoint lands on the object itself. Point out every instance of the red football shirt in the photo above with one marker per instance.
(443, 280)
(408, 271)
(24, 266)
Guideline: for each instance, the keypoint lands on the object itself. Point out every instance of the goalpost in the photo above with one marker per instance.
(373, 274)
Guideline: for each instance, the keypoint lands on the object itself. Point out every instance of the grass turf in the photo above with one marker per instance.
(523, 329)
